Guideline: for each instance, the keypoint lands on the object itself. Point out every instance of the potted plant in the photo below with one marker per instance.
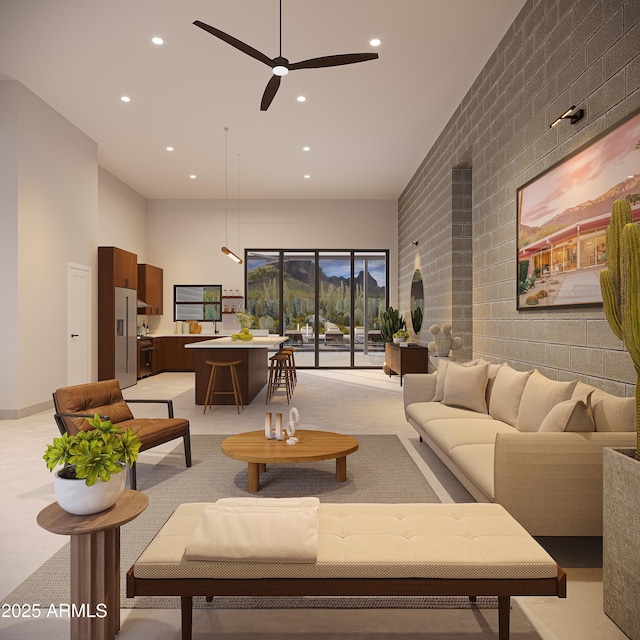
(620, 285)
(400, 336)
(91, 479)
(390, 322)
(244, 319)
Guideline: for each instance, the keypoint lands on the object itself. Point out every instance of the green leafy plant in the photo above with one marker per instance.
(620, 285)
(390, 322)
(94, 453)
(402, 333)
(244, 319)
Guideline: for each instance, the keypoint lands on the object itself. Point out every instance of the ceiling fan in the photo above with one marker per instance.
(281, 66)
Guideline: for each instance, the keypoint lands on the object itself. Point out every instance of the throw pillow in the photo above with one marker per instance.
(506, 393)
(575, 414)
(442, 375)
(540, 396)
(465, 386)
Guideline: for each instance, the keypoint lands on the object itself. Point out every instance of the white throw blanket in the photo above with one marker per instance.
(257, 530)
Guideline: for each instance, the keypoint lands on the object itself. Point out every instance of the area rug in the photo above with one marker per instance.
(380, 471)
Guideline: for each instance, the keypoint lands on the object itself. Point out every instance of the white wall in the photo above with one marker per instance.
(185, 237)
(122, 216)
(54, 206)
(8, 243)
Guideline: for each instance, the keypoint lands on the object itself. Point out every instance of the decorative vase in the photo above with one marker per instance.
(620, 542)
(75, 497)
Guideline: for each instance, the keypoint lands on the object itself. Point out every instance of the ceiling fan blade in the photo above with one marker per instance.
(333, 61)
(270, 92)
(234, 42)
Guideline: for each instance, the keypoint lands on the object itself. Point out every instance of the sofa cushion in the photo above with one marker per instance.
(610, 413)
(465, 386)
(421, 412)
(448, 434)
(540, 395)
(506, 394)
(574, 414)
(443, 363)
(476, 461)
(493, 372)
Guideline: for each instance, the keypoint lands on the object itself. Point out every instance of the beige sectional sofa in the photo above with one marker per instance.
(519, 439)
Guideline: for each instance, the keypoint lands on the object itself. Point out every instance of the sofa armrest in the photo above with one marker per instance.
(418, 387)
(169, 403)
(552, 482)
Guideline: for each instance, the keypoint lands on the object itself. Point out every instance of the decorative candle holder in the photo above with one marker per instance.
(269, 432)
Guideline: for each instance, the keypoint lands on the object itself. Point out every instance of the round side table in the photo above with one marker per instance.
(95, 562)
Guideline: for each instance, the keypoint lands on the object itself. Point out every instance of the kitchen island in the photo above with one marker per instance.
(253, 369)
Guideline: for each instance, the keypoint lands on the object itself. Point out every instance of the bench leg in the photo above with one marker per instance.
(504, 616)
(186, 605)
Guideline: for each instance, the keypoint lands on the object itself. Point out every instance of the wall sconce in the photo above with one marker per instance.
(571, 115)
(415, 243)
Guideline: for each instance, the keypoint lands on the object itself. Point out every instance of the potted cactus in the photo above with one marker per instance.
(620, 284)
(391, 321)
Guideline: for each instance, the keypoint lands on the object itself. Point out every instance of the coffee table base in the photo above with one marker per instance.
(256, 468)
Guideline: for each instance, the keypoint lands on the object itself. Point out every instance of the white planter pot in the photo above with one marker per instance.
(620, 541)
(74, 496)
(399, 340)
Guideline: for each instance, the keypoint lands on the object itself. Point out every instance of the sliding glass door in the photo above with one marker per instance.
(327, 302)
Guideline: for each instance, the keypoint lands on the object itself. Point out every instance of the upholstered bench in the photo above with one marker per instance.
(365, 550)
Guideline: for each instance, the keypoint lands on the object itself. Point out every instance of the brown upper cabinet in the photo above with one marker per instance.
(117, 267)
(150, 288)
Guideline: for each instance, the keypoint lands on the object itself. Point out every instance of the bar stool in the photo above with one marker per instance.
(237, 393)
(292, 365)
(279, 375)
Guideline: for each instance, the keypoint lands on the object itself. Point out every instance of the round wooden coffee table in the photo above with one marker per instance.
(254, 448)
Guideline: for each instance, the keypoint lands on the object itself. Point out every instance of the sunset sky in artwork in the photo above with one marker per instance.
(583, 177)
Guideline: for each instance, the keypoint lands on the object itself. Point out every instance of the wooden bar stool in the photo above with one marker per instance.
(279, 375)
(237, 393)
(292, 365)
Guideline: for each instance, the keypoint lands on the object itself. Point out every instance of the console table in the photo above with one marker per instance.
(403, 359)
(95, 562)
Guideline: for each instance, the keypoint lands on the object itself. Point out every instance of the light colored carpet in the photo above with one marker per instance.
(380, 471)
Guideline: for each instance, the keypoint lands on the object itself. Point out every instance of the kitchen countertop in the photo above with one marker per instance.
(258, 342)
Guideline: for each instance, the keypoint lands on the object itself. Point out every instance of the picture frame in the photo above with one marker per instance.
(563, 214)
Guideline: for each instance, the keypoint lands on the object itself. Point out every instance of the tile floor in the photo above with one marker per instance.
(25, 546)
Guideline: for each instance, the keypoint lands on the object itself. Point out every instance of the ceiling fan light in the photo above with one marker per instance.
(280, 70)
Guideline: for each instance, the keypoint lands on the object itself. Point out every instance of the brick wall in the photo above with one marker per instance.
(556, 54)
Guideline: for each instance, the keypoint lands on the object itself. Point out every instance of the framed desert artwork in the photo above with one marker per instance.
(563, 214)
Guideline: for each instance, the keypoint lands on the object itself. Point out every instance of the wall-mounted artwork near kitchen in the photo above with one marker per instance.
(563, 214)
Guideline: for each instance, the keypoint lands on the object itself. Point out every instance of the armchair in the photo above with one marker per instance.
(74, 404)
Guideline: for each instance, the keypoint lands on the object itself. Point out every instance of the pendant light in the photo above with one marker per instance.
(224, 249)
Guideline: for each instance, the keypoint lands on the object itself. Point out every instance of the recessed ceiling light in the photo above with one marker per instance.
(301, 99)
(306, 148)
(125, 99)
(169, 148)
(307, 176)
(157, 40)
(193, 177)
(375, 42)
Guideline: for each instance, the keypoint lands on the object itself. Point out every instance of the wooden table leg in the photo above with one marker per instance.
(263, 467)
(341, 469)
(95, 585)
(254, 477)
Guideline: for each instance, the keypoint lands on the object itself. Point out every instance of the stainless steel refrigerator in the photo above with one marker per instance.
(126, 346)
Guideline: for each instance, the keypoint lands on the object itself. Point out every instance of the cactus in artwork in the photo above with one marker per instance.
(620, 285)
(443, 340)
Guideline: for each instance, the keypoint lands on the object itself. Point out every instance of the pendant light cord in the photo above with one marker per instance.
(226, 189)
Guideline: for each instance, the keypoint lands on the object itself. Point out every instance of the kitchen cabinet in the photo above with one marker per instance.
(174, 356)
(150, 289)
(404, 359)
(157, 356)
(116, 268)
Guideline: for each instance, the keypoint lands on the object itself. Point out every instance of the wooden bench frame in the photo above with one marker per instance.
(187, 588)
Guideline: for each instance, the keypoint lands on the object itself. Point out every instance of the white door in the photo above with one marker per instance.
(78, 324)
